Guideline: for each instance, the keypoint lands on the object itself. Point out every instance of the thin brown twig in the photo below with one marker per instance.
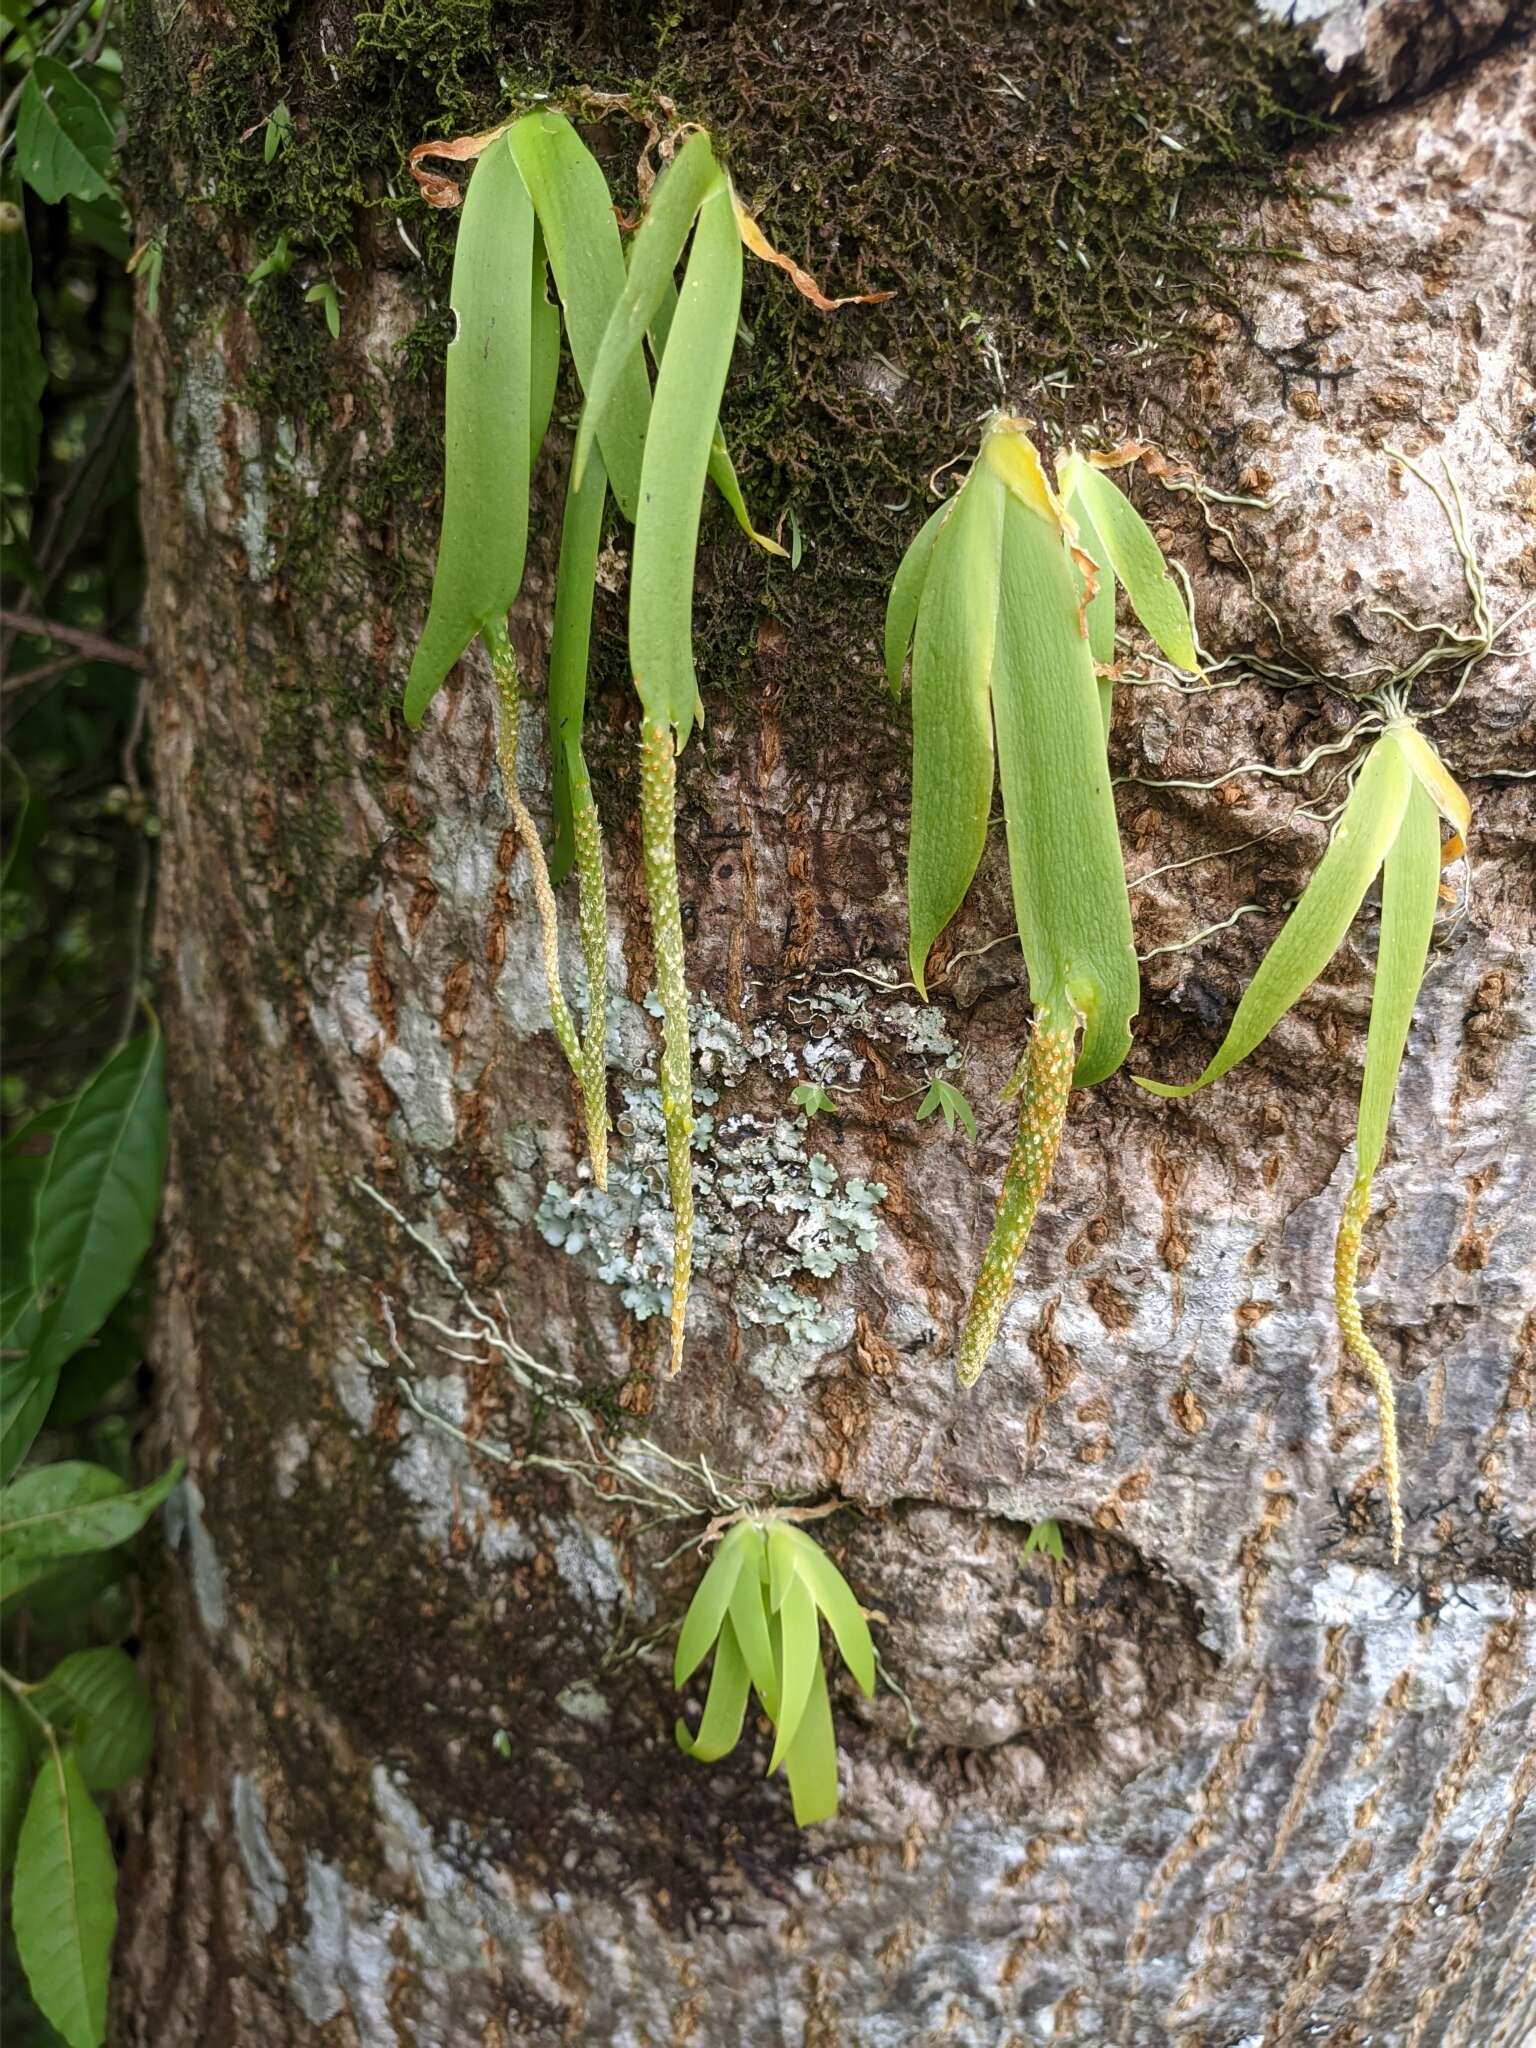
(95, 646)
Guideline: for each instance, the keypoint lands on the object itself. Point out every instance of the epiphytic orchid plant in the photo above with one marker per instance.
(760, 1606)
(1389, 826)
(1008, 612)
(538, 198)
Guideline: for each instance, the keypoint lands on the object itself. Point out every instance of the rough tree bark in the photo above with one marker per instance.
(1225, 1777)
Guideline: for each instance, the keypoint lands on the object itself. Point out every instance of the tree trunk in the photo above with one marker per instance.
(1222, 1776)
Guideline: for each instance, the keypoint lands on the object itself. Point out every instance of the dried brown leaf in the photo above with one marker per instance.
(804, 283)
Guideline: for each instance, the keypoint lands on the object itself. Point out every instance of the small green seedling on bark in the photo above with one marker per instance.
(810, 1098)
(944, 1097)
(995, 600)
(1045, 1537)
(1390, 826)
(760, 1606)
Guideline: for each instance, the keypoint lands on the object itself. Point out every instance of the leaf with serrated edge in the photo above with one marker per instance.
(1410, 889)
(810, 1762)
(570, 196)
(683, 411)
(1137, 561)
(1069, 889)
(486, 425)
(707, 1609)
(725, 1706)
(835, 1598)
(1311, 935)
(906, 595)
(64, 1903)
(98, 1699)
(799, 1655)
(952, 768)
(653, 257)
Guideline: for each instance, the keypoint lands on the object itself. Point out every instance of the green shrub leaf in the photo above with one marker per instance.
(64, 139)
(64, 1907)
(97, 1699)
(16, 1767)
(61, 1510)
(98, 1199)
(25, 1400)
(23, 373)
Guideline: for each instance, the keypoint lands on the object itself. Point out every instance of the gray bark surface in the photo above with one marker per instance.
(1227, 1778)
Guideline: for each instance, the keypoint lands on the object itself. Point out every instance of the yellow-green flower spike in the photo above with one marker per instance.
(658, 797)
(1346, 1266)
(1044, 1082)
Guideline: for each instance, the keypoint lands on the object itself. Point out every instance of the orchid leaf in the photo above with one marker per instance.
(1449, 797)
(722, 471)
(799, 1658)
(707, 1610)
(1314, 930)
(1069, 889)
(544, 350)
(683, 413)
(834, 1596)
(1098, 604)
(575, 212)
(487, 429)
(581, 539)
(749, 1618)
(1410, 887)
(906, 594)
(1137, 560)
(947, 1099)
(724, 1708)
(654, 255)
(952, 662)
(810, 1761)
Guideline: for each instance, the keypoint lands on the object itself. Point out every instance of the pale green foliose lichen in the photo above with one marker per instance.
(772, 1209)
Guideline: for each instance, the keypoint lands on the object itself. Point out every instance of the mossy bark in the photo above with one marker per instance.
(1224, 1774)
